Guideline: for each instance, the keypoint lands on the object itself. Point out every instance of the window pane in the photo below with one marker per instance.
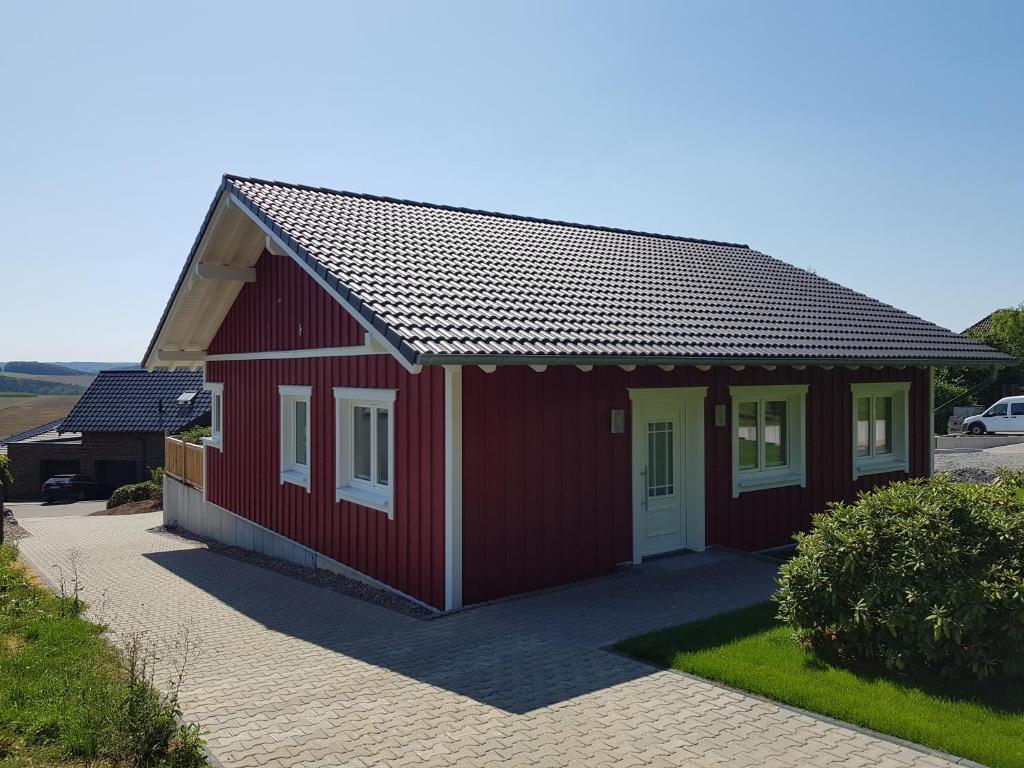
(216, 415)
(301, 427)
(996, 410)
(383, 471)
(883, 425)
(361, 442)
(660, 461)
(775, 434)
(863, 426)
(1017, 409)
(747, 435)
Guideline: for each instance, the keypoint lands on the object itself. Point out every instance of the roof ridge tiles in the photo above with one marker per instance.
(482, 212)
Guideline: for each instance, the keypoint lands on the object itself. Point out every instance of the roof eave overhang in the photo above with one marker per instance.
(230, 202)
(598, 360)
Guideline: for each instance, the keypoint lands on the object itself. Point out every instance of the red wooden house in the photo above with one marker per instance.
(463, 405)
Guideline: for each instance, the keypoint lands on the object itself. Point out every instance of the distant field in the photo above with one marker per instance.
(18, 414)
(83, 381)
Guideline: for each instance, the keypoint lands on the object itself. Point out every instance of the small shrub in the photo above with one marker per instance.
(196, 434)
(919, 574)
(6, 475)
(1011, 478)
(136, 492)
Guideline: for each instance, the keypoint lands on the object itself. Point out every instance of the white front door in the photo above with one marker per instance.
(661, 481)
(668, 469)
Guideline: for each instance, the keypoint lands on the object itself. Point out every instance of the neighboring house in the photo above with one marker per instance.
(1010, 383)
(465, 405)
(115, 431)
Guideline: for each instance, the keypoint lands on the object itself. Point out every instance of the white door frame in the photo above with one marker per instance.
(691, 400)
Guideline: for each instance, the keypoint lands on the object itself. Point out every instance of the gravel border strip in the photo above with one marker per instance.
(320, 577)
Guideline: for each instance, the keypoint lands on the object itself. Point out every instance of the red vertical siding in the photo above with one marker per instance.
(285, 309)
(547, 487)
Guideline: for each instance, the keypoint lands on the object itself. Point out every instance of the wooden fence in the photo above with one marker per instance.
(184, 461)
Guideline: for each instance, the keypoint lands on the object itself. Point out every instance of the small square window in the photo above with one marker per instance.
(768, 436)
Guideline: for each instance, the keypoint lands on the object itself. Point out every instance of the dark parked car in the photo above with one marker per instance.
(72, 487)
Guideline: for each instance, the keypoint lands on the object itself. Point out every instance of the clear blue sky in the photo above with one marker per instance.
(879, 143)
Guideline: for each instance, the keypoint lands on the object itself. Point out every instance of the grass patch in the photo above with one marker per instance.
(67, 697)
(751, 650)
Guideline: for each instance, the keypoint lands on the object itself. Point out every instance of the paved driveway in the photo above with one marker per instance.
(294, 674)
(25, 510)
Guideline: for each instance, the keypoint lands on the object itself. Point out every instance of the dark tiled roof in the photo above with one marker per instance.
(29, 435)
(447, 283)
(139, 401)
(981, 327)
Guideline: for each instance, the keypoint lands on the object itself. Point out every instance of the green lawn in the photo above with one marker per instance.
(751, 650)
(66, 696)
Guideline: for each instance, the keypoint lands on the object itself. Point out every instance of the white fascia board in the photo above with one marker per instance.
(291, 354)
(292, 390)
(880, 388)
(770, 390)
(283, 249)
(365, 393)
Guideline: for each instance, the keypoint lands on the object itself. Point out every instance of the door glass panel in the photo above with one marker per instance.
(775, 434)
(660, 461)
(301, 425)
(863, 426)
(747, 435)
(1017, 409)
(382, 446)
(361, 419)
(883, 425)
(996, 410)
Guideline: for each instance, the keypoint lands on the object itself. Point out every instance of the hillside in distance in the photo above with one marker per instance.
(36, 368)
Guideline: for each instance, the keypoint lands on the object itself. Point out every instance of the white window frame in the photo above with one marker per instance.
(216, 438)
(899, 459)
(795, 470)
(291, 472)
(348, 487)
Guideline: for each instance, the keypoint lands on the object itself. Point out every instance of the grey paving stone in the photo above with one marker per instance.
(292, 674)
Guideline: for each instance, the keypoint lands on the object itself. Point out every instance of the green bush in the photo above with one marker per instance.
(6, 475)
(135, 492)
(923, 574)
(196, 434)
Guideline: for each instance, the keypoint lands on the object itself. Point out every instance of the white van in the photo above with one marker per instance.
(1007, 415)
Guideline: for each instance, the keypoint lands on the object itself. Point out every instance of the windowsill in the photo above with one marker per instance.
(366, 497)
(295, 477)
(878, 466)
(214, 442)
(763, 480)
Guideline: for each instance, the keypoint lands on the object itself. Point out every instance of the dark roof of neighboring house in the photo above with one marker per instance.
(139, 401)
(445, 284)
(31, 432)
(982, 325)
(43, 431)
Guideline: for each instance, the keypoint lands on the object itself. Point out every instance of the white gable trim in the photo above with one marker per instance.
(278, 247)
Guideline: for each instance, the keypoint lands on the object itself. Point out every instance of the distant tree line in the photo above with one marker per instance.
(38, 369)
(38, 386)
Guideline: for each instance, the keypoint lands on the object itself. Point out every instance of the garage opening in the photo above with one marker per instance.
(113, 473)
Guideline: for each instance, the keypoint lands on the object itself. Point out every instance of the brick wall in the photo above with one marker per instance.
(144, 450)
